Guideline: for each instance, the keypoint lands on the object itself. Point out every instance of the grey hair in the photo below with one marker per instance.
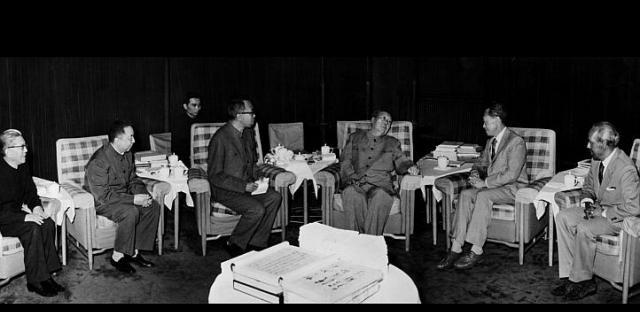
(6, 136)
(606, 134)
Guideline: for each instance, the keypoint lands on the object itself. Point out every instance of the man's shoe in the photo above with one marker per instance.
(42, 289)
(468, 260)
(448, 261)
(54, 285)
(582, 289)
(123, 265)
(139, 260)
(256, 248)
(233, 250)
(562, 288)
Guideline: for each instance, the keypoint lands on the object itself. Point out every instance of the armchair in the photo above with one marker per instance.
(160, 142)
(12, 252)
(512, 225)
(214, 219)
(93, 233)
(400, 222)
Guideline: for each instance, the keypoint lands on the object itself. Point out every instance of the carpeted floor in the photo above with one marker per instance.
(185, 276)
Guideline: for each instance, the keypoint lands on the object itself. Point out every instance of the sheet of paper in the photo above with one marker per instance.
(263, 184)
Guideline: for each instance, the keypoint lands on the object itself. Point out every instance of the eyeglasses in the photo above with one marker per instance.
(248, 113)
(387, 121)
(23, 146)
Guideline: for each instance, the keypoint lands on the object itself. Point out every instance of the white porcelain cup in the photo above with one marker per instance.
(570, 180)
(579, 181)
(325, 149)
(443, 162)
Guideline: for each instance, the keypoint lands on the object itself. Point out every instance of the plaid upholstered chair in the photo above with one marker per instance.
(617, 256)
(12, 252)
(512, 225)
(92, 233)
(160, 142)
(214, 219)
(400, 222)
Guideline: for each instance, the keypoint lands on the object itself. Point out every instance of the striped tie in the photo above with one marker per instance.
(493, 148)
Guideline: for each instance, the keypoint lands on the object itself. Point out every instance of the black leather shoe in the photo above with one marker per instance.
(123, 265)
(582, 289)
(256, 248)
(233, 250)
(54, 285)
(139, 260)
(562, 288)
(468, 260)
(448, 261)
(42, 289)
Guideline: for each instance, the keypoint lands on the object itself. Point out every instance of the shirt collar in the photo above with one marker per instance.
(499, 136)
(607, 160)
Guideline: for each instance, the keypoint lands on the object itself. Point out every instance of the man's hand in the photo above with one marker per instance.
(39, 211)
(251, 187)
(32, 217)
(476, 182)
(143, 200)
(413, 170)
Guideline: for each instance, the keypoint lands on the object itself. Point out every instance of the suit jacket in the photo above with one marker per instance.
(231, 162)
(508, 166)
(112, 178)
(619, 191)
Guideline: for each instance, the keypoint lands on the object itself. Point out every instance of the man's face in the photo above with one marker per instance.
(382, 123)
(247, 116)
(193, 107)
(598, 150)
(125, 141)
(16, 150)
(491, 125)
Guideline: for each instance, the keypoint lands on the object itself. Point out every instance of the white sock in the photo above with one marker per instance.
(116, 256)
(476, 249)
(135, 253)
(456, 247)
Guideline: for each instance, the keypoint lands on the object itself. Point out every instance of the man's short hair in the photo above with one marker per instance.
(379, 112)
(606, 134)
(117, 128)
(190, 95)
(6, 137)
(496, 110)
(236, 106)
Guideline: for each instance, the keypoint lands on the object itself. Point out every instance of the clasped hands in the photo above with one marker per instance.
(143, 200)
(475, 181)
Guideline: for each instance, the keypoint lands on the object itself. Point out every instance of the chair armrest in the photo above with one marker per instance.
(527, 194)
(280, 177)
(157, 189)
(410, 182)
(631, 225)
(329, 176)
(453, 184)
(568, 199)
(198, 181)
(81, 198)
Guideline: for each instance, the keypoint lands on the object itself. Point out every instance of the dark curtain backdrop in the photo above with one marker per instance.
(48, 98)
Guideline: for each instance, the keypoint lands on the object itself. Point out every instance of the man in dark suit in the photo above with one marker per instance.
(181, 126)
(495, 179)
(612, 186)
(232, 170)
(122, 197)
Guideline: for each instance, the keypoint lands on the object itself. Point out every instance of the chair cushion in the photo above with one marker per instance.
(81, 198)
(608, 244)
(220, 210)
(10, 245)
(395, 207)
(503, 212)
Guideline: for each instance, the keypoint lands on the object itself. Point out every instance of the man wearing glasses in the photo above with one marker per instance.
(32, 226)
(231, 167)
(367, 161)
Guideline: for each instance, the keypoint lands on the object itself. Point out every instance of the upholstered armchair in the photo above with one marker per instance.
(12, 252)
(160, 142)
(511, 225)
(400, 222)
(92, 233)
(214, 219)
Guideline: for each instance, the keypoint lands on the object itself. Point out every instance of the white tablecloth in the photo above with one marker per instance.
(303, 171)
(178, 184)
(430, 172)
(51, 189)
(546, 195)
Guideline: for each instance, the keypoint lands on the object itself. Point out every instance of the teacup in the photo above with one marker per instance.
(443, 162)
(580, 180)
(570, 180)
(164, 172)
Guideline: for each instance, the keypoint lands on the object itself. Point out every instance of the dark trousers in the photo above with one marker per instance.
(38, 241)
(258, 215)
(366, 208)
(137, 225)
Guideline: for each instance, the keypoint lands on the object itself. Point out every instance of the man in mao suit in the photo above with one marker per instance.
(612, 186)
(232, 170)
(495, 179)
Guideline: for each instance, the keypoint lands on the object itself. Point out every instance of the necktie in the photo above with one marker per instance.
(600, 172)
(493, 148)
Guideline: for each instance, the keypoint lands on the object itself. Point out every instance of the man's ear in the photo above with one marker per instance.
(184, 106)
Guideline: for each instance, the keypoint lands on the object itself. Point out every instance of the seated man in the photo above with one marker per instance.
(612, 186)
(495, 178)
(34, 229)
(181, 126)
(120, 196)
(232, 170)
(367, 161)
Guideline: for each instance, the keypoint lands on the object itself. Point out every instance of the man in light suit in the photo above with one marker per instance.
(612, 186)
(232, 170)
(495, 179)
